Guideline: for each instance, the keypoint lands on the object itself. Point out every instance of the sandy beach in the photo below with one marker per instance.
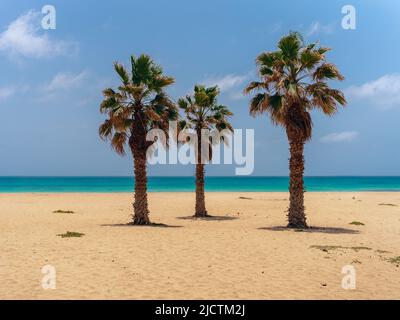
(242, 254)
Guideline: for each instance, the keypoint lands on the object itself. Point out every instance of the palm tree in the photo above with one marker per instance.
(294, 82)
(139, 105)
(203, 112)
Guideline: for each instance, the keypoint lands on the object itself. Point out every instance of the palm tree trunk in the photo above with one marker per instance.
(200, 210)
(140, 204)
(296, 214)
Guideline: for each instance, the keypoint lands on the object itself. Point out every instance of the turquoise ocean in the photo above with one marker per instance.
(186, 184)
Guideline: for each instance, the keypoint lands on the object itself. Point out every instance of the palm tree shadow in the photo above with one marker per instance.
(328, 230)
(151, 225)
(208, 218)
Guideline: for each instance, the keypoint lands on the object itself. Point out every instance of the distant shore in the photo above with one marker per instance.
(242, 253)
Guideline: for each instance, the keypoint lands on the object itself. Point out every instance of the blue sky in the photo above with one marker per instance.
(51, 81)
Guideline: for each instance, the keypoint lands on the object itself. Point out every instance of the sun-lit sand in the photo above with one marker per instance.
(241, 255)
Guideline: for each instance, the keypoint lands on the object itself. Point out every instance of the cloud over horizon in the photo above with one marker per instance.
(319, 28)
(232, 84)
(24, 37)
(227, 82)
(345, 136)
(63, 81)
(383, 92)
(6, 92)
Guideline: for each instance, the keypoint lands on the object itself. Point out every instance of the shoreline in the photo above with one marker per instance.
(187, 184)
(187, 192)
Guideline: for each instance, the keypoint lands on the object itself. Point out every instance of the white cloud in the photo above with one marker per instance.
(319, 28)
(85, 85)
(237, 95)
(65, 81)
(6, 92)
(227, 82)
(276, 27)
(383, 92)
(24, 38)
(345, 136)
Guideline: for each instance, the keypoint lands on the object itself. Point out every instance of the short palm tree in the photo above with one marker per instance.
(294, 81)
(203, 112)
(139, 105)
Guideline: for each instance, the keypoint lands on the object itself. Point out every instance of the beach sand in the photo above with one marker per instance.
(241, 255)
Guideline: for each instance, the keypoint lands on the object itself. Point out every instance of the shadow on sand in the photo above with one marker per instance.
(151, 225)
(208, 218)
(330, 230)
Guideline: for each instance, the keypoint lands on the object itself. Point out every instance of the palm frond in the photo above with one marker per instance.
(141, 69)
(267, 59)
(108, 104)
(123, 74)
(118, 142)
(139, 103)
(108, 92)
(290, 46)
(105, 129)
(293, 81)
(202, 110)
(159, 83)
(258, 104)
(182, 103)
(255, 85)
(310, 58)
(327, 71)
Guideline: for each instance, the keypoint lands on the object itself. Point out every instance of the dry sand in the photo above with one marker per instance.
(242, 255)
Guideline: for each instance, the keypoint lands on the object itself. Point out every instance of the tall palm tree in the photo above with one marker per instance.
(203, 112)
(139, 105)
(294, 81)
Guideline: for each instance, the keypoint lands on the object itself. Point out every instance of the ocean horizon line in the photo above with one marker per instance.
(110, 184)
(190, 176)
